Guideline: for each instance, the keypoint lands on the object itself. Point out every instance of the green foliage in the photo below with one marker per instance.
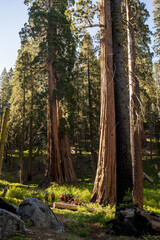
(144, 74)
(63, 126)
(156, 17)
(84, 191)
(87, 89)
(5, 90)
(84, 232)
(16, 192)
(151, 191)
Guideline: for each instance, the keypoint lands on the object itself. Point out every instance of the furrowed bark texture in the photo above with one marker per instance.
(135, 118)
(123, 155)
(104, 190)
(54, 152)
(67, 167)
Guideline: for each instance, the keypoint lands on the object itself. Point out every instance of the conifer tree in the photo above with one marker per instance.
(30, 120)
(5, 90)
(87, 85)
(49, 25)
(3, 136)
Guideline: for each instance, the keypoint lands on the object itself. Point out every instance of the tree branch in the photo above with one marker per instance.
(94, 25)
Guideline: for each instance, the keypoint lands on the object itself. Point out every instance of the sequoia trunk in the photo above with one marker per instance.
(54, 152)
(135, 118)
(104, 190)
(123, 155)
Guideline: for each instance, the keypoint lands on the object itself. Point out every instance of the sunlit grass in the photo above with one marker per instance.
(84, 190)
(18, 192)
(154, 140)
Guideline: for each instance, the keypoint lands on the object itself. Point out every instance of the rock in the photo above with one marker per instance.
(133, 221)
(10, 223)
(8, 207)
(15, 207)
(39, 214)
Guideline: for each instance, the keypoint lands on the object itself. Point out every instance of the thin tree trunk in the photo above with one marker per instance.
(3, 136)
(91, 123)
(29, 174)
(21, 153)
(104, 190)
(135, 118)
(123, 155)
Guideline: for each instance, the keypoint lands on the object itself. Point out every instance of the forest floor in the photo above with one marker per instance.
(96, 233)
(78, 225)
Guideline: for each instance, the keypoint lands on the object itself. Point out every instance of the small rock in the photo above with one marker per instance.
(49, 235)
(29, 232)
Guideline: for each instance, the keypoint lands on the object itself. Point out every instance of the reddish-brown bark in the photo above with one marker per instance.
(135, 118)
(104, 190)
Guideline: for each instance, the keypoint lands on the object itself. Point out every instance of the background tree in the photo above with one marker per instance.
(49, 25)
(3, 136)
(5, 90)
(87, 94)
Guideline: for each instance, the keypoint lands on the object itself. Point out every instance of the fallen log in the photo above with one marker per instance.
(148, 178)
(70, 206)
(5, 190)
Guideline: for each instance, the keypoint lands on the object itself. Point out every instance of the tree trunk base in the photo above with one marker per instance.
(136, 222)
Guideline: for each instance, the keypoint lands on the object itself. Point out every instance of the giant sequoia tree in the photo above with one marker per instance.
(104, 190)
(49, 26)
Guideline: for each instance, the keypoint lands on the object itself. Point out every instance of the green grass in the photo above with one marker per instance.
(78, 222)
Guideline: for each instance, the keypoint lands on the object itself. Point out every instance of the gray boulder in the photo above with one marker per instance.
(10, 223)
(39, 214)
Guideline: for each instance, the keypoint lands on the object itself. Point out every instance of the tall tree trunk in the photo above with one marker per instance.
(3, 136)
(135, 118)
(29, 173)
(91, 123)
(67, 168)
(123, 155)
(104, 190)
(54, 151)
(21, 153)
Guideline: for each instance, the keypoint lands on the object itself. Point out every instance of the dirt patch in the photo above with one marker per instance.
(95, 232)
